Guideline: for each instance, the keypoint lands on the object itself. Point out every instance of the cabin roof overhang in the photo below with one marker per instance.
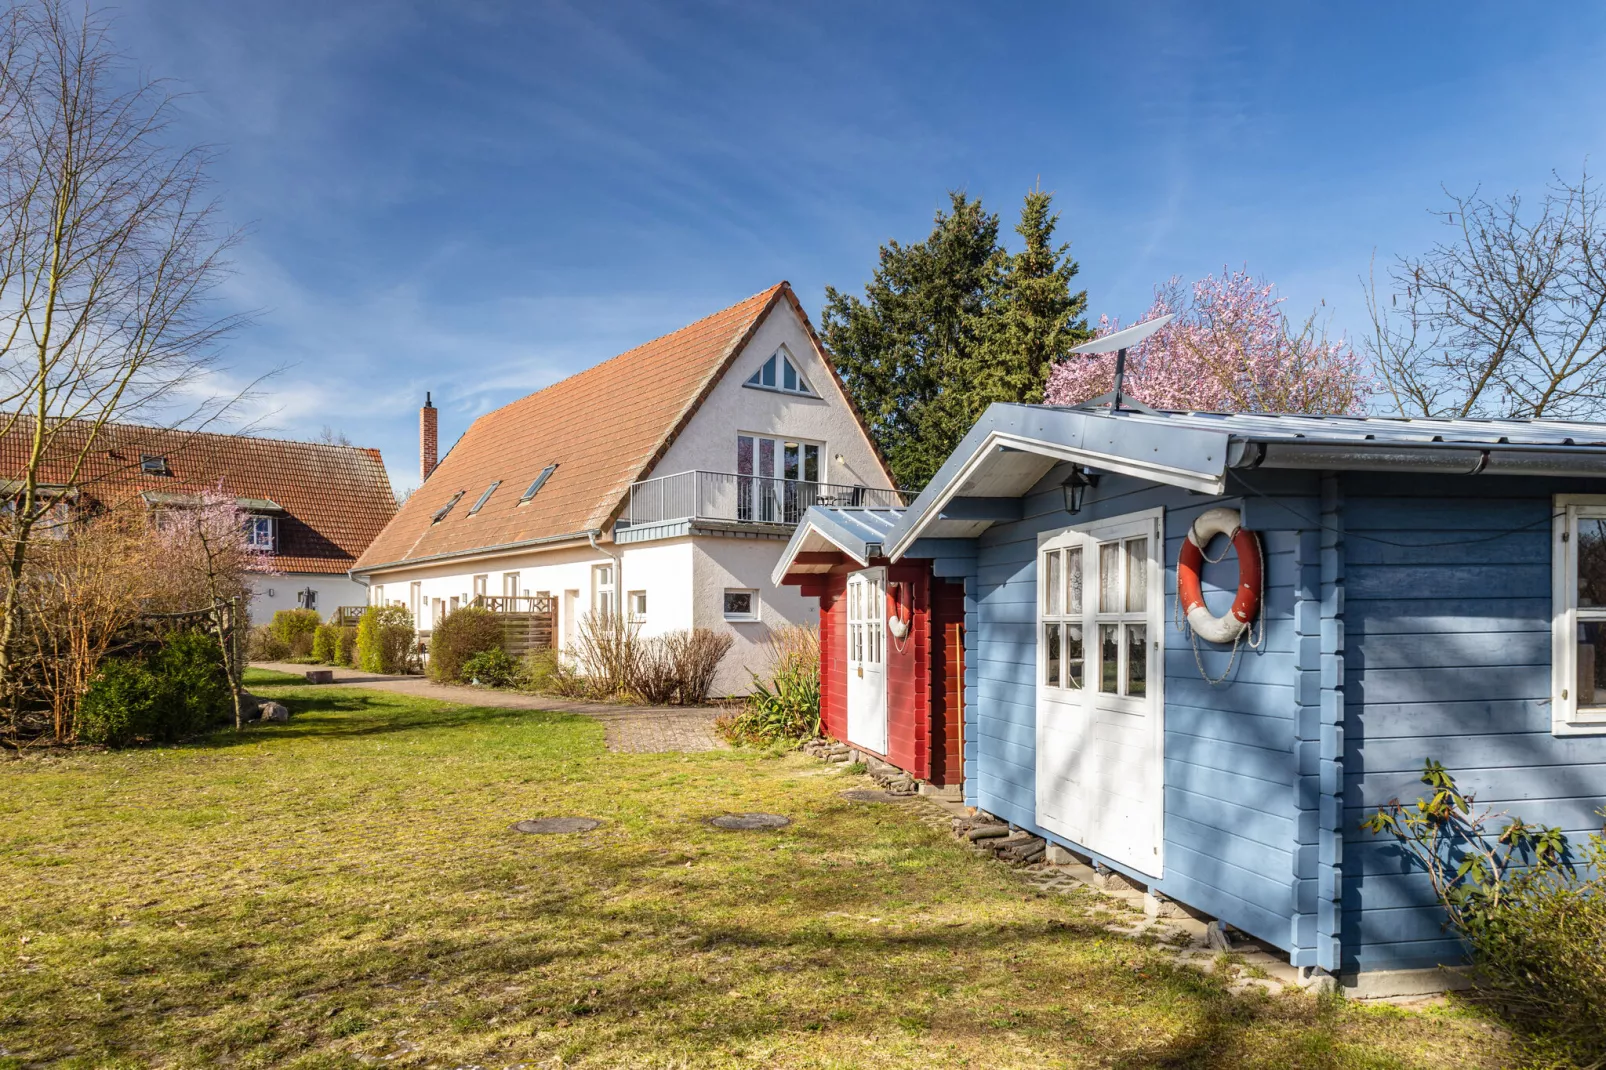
(1012, 447)
(832, 535)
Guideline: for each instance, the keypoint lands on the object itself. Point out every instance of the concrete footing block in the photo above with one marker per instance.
(1055, 855)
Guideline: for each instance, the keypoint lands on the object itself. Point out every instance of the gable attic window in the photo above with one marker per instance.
(440, 514)
(485, 497)
(779, 373)
(535, 487)
(154, 465)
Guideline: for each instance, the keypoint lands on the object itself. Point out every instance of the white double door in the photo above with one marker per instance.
(867, 659)
(1100, 669)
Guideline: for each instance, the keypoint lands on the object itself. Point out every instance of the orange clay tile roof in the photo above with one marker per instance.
(336, 498)
(604, 428)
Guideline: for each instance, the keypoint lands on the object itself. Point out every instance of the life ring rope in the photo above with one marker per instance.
(1236, 626)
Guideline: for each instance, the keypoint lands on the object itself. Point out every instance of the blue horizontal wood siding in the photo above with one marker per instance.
(1229, 748)
(1447, 655)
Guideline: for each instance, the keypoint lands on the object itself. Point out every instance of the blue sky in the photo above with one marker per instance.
(478, 199)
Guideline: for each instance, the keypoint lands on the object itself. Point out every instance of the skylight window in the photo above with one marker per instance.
(779, 373)
(484, 497)
(154, 465)
(440, 514)
(535, 487)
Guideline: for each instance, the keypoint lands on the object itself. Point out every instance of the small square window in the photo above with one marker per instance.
(638, 606)
(741, 604)
(259, 532)
(154, 465)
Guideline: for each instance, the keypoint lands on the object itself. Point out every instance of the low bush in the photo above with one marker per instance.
(788, 706)
(679, 666)
(295, 628)
(325, 644)
(385, 640)
(177, 691)
(605, 654)
(493, 668)
(1532, 914)
(346, 646)
(460, 635)
(263, 644)
(539, 670)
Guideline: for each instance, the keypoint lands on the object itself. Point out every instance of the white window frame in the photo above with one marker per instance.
(1566, 718)
(376, 595)
(604, 588)
(262, 532)
(479, 583)
(636, 604)
(751, 615)
(780, 359)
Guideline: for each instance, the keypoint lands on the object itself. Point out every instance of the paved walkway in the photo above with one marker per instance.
(631, 729)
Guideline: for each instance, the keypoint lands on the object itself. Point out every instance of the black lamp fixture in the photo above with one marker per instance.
(1075, 487)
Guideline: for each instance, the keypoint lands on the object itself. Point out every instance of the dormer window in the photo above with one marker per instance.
(779, 373)
(154, 465)
(259, 532)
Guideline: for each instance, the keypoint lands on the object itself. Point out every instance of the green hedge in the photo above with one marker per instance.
(178, 691)
(385, 640)
(295, 628)
(462, 634)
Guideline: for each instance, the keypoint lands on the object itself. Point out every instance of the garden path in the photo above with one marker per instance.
(631, 729)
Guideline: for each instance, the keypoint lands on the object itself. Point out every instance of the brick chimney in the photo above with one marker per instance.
(428, 443)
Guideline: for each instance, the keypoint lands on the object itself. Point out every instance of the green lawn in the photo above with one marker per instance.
(344, 888)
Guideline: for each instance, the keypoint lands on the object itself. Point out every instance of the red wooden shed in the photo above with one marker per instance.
(891, 643)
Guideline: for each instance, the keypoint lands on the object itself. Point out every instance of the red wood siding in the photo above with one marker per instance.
(833, 656)
(908, 676)
(948, 682)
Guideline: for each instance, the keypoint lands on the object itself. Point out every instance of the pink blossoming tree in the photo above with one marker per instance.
(1230, 349)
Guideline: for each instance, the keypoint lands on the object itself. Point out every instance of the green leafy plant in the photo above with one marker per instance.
(385, 640)
(190, 668)
(120, 705)
(263, 644)
(1533, 918)
(177, 691)
(346, 646)
(295, 628)
(788, 707)
(325, 643)
(460, 635)
(493, 668)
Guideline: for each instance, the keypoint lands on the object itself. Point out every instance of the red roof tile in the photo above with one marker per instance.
(604, 428)
(336, 498)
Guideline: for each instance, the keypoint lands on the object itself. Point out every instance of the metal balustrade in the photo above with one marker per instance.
(746, 499)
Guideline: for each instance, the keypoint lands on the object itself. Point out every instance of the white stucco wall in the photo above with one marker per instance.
(269, 594)
(723, 563)
(708, 442)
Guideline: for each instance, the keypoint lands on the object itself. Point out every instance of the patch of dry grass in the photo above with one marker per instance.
(344, 890)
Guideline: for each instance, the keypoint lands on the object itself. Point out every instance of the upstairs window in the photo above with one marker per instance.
(440, 514)
(535, 488)
(1578, 616)
(490, 490)
(259, 532)
(779, 373)
(154, 465)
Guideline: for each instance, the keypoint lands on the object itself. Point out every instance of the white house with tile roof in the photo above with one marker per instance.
(665, 481)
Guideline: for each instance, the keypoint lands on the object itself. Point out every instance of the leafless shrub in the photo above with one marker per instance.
(606, 652)
(657, 672)
(696, 656)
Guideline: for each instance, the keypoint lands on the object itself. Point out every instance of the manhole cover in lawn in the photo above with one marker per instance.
(871, 795)
(550, 825)
(737, 822)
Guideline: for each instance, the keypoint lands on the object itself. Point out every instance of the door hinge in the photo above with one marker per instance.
(1564, 536)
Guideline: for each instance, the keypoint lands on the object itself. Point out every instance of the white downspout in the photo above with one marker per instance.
(618, 575)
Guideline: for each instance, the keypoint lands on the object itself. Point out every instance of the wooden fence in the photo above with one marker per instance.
(527, 620)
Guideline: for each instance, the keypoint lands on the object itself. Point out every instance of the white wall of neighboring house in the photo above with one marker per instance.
(269, 594)
(737, 564)
(708, 442)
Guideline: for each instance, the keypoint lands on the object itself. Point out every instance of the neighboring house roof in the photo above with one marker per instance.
(829, 531)
(603, 428)
(1013, 446)
(330, 501)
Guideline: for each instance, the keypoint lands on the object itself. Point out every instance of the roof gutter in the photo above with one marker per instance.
(1448, 458)
(479, 551)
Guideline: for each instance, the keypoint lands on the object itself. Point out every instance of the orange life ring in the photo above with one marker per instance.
(1223, 629)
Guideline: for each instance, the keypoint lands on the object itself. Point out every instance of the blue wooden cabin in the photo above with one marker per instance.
(1432, 589)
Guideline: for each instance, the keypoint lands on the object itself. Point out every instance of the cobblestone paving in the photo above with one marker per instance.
(631, 729)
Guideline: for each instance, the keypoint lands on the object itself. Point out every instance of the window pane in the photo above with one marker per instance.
(1053, 586)
(1110, 577)
(1591, 682)
(744, 455)
(1109, 659)
(738, 603)
(1137, 575)
(790, 379)
(1591, 561)
(1137, 659)
(1073, 656)
(769, 372)
(1073, 582)
(792, 469)
(1051, 653)
(766, 456)
(811, 463)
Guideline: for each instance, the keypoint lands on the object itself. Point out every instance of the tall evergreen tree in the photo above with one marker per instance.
(951, 324)
(911, 336)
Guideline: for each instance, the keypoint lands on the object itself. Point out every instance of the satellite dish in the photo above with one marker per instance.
(1114, 343)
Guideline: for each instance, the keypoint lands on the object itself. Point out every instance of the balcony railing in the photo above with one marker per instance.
(745, 499)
